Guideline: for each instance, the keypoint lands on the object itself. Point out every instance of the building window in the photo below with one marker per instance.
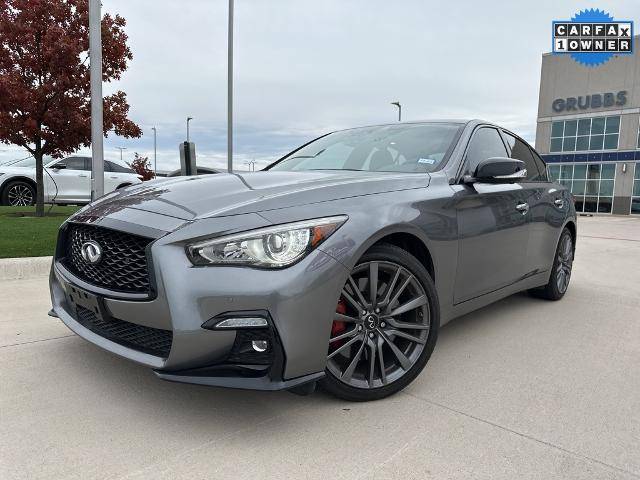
(591, 184)
(635, 199)
(585, 134)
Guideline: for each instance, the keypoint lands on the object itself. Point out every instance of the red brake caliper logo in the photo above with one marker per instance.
(338, 326)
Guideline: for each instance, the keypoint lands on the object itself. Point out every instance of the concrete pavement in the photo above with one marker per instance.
(521, 389)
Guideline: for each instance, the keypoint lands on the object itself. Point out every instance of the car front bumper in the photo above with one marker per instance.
(300, 301)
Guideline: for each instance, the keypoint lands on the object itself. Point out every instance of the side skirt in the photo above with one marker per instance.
(463, 308)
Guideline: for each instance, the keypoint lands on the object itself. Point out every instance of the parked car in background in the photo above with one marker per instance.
(66, 180)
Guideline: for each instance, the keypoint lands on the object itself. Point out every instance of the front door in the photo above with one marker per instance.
(492, 225)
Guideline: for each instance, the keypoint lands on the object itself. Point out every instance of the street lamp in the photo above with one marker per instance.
(155, 152)
(397, 104)
(188, 120)
(230, 90)
(121, 149)
(95, 75)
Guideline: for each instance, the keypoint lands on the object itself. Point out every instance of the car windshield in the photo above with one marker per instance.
(418, 148)
(25, 162)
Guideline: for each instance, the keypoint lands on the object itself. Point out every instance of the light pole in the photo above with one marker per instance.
(230, 90)
(95, 74)
(155, 152)
(397, 104)
(188, 120)
(121, 149)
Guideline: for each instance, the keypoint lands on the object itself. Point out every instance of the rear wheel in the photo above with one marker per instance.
(561, 271)
(385, 326)
(19, 194)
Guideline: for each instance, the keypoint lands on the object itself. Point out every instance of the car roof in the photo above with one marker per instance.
(454, 121)
(471, 122)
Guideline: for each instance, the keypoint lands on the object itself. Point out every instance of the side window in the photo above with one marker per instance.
(119, 168)
(521, 151)
(74, 163)
(542, 167)
(484, 144)
(107, 166)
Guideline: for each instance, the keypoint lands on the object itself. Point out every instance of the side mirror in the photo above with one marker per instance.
(58, 166)
(499, 170)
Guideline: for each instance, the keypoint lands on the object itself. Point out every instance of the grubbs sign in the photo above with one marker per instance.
(586, 102)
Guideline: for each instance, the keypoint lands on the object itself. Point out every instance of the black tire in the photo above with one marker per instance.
(561, 270)
(388, 256)
(18, 193)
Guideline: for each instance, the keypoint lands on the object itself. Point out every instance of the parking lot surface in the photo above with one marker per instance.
(524, 388)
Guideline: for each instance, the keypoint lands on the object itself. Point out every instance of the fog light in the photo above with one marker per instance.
(242, 322)
(260, 345)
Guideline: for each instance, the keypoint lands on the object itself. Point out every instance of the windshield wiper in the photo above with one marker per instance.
(299, 156)
(307, 156)
(338, 169)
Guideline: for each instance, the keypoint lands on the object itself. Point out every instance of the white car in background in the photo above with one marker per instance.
(65, 181)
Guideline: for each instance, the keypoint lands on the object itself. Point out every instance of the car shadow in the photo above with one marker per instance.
(137, 387)
(496, 313)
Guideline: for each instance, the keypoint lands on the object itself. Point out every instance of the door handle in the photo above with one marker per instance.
(523, 208)
(559, 203)
(113, 177)
(83, 176)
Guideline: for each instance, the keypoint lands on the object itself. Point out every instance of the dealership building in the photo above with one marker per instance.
(588, 130)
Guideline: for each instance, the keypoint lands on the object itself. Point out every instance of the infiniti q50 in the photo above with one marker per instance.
(336, 265)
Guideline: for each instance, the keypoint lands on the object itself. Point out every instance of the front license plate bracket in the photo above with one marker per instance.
(76, 297)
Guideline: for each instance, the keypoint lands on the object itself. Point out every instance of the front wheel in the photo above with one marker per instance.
(385, 326)
(561, 270)
(19, 193)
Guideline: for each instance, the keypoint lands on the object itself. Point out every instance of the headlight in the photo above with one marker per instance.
(271, 247)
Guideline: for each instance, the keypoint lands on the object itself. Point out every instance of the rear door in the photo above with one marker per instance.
(111, 179)
(492, 224)
(549, 209)
(537, 197)
(116, 175)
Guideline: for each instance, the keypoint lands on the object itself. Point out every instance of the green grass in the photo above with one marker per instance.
(24, 235)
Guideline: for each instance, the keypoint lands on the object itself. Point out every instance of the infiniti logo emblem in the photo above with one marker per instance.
(91, 252)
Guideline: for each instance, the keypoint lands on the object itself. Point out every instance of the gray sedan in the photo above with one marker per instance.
(335, 266)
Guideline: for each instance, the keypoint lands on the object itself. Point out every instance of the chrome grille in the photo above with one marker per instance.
(123, 266)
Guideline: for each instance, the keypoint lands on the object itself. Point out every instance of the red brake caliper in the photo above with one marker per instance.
(338, 326)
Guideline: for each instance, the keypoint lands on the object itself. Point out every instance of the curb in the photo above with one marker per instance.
(19, 268)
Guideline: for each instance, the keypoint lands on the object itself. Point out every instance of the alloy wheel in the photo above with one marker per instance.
(20, 195)
(381, 325)
(564, 264)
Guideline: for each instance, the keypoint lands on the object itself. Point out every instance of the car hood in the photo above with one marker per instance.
(206, 196)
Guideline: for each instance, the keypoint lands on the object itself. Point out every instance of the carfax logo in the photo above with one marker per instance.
(592, 37)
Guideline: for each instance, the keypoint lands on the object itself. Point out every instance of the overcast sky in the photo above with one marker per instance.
(304, 67)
